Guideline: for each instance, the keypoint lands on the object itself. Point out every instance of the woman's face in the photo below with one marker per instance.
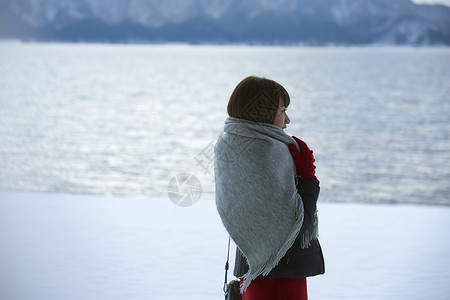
(281, 118)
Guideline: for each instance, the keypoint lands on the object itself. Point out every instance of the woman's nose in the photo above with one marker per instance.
(287, 119)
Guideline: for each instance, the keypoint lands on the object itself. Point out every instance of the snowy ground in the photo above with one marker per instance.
(92, 248)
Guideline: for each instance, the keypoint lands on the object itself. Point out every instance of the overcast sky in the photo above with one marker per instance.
(446, 2)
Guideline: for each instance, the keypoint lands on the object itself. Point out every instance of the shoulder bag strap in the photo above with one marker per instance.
(225, 285)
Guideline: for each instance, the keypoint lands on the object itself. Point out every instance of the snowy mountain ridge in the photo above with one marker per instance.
(260, 21)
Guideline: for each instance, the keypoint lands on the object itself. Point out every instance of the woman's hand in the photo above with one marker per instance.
(304, 160)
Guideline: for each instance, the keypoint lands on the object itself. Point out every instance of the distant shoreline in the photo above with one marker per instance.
(230, 44)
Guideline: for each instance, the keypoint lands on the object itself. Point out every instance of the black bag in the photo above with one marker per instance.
(232, 290)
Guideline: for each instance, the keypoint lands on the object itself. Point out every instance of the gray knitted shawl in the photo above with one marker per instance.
(256, 194)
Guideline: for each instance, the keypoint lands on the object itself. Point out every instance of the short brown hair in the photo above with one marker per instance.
(257, 99)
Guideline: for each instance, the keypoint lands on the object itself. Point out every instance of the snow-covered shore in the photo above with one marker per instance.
(57, 246)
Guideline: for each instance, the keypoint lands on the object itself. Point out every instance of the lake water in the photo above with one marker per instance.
(125, 119)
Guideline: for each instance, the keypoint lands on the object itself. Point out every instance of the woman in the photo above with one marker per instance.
(266, 194)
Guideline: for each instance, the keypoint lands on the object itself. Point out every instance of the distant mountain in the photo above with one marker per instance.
(314, 22)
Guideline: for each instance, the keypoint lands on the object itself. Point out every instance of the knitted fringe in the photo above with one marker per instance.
(305, 241)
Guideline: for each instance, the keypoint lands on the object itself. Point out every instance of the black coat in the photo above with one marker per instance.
(298, 262)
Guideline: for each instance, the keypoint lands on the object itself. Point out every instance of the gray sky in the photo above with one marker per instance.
(445, 2)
